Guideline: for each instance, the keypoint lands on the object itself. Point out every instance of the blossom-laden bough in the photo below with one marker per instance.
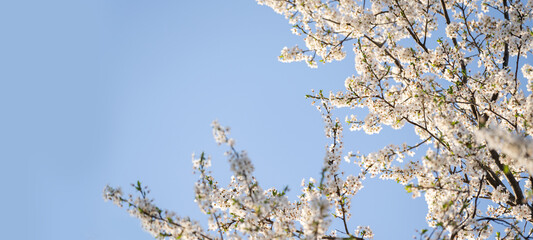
(457, 72)
(243, 210)
(449, 69)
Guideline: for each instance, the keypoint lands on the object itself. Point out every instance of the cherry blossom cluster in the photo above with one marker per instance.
(449, 69)
(243, 210)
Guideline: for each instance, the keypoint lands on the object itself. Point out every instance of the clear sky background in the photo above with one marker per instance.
(110, 92)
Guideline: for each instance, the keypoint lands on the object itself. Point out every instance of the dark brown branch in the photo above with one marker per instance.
(510, 178)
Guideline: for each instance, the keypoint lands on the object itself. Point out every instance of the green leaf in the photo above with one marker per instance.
(409, 187)
(506, 169)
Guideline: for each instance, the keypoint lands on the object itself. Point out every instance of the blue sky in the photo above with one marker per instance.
(111, 92)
